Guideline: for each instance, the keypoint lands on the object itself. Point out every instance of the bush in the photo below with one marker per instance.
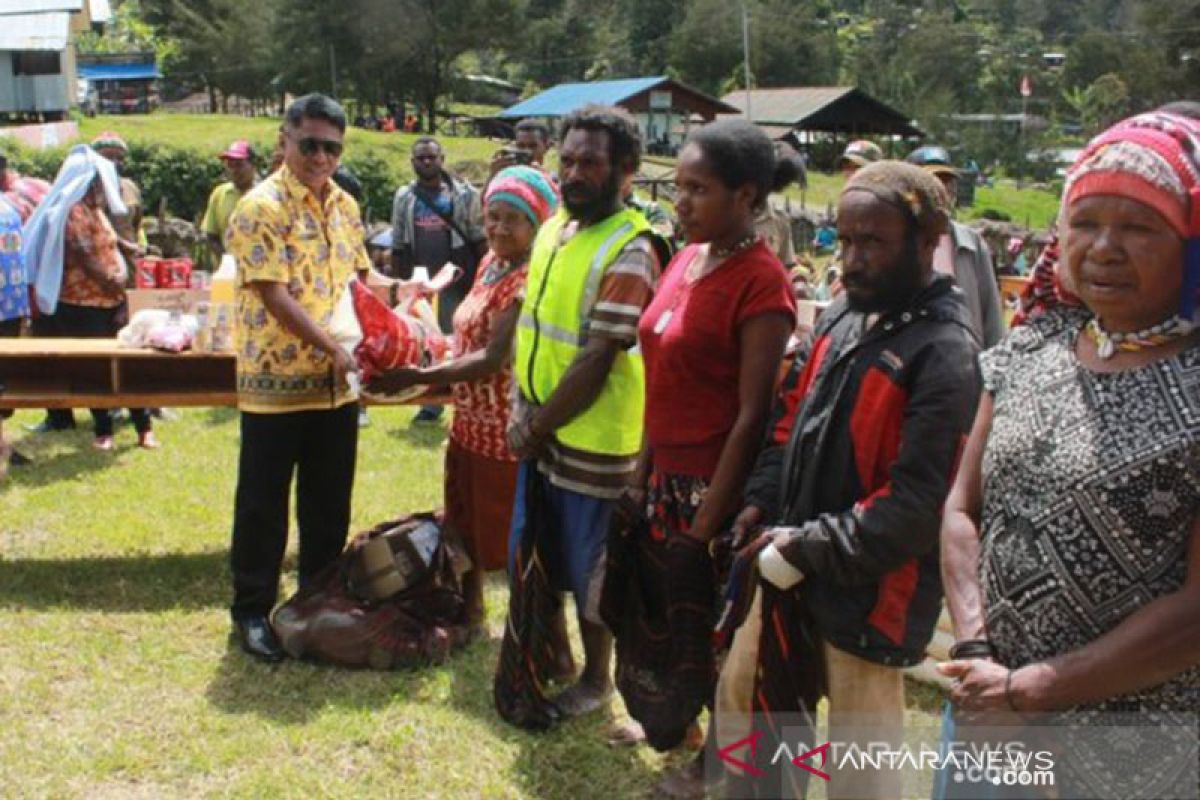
(378, 180)
(172, 179)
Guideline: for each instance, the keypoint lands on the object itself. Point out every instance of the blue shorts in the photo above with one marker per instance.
(580, 523)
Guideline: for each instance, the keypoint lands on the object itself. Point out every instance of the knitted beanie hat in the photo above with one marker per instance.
(909, 188)
(526, 188)
(108, 139)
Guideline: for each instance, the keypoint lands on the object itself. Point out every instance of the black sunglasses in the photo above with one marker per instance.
(309, 146)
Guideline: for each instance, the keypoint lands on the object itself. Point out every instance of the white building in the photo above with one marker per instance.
(37, 53)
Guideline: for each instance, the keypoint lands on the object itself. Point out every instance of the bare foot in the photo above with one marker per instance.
(626, 734)
(582, 698)
(694, 739)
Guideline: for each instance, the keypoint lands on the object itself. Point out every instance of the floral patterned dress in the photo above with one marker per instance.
(481, 408)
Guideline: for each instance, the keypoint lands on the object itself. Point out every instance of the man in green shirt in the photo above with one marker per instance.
(239, 168)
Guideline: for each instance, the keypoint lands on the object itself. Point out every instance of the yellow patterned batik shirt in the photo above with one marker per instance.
(280, 232)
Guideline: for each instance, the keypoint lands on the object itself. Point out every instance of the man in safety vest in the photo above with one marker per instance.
(577, 426)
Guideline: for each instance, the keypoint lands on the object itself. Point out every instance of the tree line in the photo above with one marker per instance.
(928, 58)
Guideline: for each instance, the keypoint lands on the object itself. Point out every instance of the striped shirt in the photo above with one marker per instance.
(625, 291)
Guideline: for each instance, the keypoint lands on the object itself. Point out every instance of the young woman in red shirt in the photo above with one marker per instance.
(712, 339)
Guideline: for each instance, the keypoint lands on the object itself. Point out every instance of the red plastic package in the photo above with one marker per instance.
(388, 341)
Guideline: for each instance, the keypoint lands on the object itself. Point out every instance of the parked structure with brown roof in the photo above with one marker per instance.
(846, 110)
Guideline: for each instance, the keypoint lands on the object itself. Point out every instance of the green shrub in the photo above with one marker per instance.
(37, 163)
(379, 181)
(177, 179)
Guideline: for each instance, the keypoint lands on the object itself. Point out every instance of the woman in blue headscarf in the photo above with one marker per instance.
(73, 263)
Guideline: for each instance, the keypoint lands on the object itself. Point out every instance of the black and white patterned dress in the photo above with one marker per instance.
(1091, 486)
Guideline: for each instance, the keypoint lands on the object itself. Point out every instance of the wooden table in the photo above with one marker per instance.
(97, 373)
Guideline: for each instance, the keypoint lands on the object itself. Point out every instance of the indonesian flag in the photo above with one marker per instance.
(1026, 86)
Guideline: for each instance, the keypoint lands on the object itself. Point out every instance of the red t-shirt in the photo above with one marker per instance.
(693, 356)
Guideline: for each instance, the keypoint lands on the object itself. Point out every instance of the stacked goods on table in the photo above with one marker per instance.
(166, 273)
(160, 329)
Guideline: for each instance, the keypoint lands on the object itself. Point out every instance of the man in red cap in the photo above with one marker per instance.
(239, 168)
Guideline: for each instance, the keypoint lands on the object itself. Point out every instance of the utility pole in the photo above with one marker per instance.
(746, 54)
(332, 72)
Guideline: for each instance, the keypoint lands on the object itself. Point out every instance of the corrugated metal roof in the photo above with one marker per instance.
(100, 10)
(118, 72)
(835, 109)
(38, 6)
(34, 31)
(786, 106)
(566, 97)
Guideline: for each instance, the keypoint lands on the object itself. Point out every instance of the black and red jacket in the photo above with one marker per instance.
(861, 456)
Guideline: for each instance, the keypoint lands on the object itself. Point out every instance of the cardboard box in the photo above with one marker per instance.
(182, 300)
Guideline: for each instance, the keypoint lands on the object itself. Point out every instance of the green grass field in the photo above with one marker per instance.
(117, 680)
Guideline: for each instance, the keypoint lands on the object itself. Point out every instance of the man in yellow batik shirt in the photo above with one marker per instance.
(298, 240)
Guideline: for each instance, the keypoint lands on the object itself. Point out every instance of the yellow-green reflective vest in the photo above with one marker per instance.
(563, 283)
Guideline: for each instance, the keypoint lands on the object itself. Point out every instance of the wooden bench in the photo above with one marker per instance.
(97, 373)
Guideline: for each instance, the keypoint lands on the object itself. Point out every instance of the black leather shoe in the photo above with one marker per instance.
(17, 459)
(257, 639)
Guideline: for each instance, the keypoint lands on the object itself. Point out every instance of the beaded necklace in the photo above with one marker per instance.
(498, 270)
(1109, 343)
(744, 243)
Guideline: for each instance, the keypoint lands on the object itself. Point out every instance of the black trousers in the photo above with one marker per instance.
(90, 323)
(321, 448)
(56, 418)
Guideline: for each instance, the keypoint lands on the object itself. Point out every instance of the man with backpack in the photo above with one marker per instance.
(435, 219)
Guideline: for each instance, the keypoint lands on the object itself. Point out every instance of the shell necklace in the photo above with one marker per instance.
(1109, 343)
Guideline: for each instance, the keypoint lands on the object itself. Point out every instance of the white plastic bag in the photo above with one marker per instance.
(343, 325)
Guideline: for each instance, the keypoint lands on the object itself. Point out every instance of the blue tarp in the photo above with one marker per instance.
(566, 97)
(119, 72)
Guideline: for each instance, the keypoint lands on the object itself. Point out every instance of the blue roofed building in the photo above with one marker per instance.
(663, 107)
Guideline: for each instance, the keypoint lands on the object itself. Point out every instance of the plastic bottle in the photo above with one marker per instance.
(223, 280)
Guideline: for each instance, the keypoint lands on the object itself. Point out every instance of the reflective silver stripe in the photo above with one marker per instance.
(551, 331)
(618, 468)
(625, 309)
(592, 288)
